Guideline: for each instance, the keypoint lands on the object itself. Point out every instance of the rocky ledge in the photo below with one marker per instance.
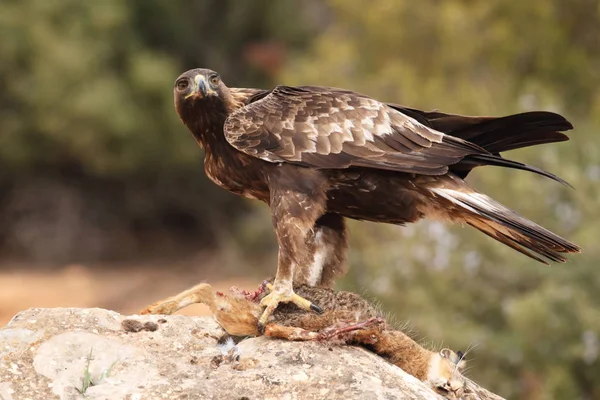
(69, 353)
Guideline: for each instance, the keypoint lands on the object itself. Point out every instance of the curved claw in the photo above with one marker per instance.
(316, 308)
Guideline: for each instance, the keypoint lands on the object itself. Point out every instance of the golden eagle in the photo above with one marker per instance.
(316, 155)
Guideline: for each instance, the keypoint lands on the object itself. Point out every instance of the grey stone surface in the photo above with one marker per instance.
(47, 354)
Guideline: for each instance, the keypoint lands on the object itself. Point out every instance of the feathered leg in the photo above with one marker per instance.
(297, 200)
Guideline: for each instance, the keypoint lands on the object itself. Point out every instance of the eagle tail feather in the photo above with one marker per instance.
(505, 225)
(516, 131)
(497, 135)
(490, 159)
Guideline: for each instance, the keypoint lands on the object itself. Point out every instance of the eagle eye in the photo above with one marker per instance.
(214, 80)
(182, 85)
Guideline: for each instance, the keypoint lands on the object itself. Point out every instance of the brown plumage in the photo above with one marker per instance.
(317, 155)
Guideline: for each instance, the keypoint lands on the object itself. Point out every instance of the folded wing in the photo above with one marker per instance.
(334, 128)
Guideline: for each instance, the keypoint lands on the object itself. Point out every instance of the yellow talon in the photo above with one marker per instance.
(301, 302)
(272, 300)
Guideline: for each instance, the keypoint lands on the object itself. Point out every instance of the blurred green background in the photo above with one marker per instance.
(101, 184)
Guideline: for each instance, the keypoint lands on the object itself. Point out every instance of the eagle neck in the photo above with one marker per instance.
(207, 128)
(222, 162)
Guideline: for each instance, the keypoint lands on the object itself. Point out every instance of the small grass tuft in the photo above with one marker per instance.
(88, 380)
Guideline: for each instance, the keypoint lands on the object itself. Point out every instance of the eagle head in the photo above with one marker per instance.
(198, 84)
(202, 100)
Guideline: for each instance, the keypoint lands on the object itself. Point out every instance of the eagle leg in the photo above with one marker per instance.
(297, 199)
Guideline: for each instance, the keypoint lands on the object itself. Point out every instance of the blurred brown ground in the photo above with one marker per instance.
(123, 288)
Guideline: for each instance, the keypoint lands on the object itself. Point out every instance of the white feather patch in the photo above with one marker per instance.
(315, 271)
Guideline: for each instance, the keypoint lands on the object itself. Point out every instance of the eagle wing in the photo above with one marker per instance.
(333, 128)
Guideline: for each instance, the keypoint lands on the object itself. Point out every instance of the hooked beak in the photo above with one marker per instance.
(201, 88)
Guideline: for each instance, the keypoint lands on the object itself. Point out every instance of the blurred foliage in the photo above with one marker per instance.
(84, 82)
(536, 329)
(94, 163)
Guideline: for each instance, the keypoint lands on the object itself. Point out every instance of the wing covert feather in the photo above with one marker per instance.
(334, 128)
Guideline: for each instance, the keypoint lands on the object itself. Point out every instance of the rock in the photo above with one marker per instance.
(62, 353)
